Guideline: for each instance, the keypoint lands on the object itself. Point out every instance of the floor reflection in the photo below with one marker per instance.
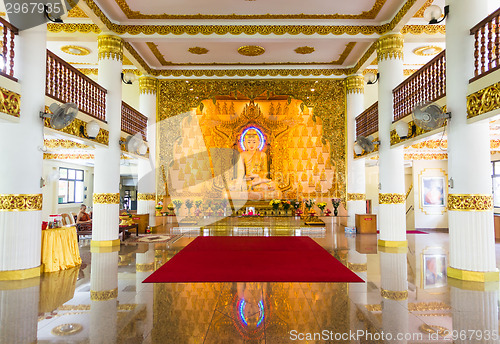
(105, 301)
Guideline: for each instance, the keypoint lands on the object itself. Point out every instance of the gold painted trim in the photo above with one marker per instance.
(59, 330)
(355, 84)
(357, 267)
(77, 12)
(389, 243)
(474, 276)
(424, 29)
(10, 102)
(420, 12)
(356, 197)
(251, 50)
(73, 27)
(146, 196)
(394, 295)
(464, 202)
(110, 47)
(104, 249)
(420, 51)
(472, 285)
(390, 47)
(144, 267)
(104, 243)
(74, 129)
(386, 249)
(21, 202)
(82, 51)
(198, 50)
(438, 173)
(53, 156)
(64, 144)
(426, 156)
(159, 56)
(483, 101)
(13, 275)
(103, 295)
(370, 14)
(391, 198)
(106, 198)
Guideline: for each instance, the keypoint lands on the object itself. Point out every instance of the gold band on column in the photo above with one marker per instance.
(106, 198)
(394, 295)
(144, 267)
(12, 275)
(146, 197)
(103, 295)
(389, 243)
(389, 249)
(357, 267)
(110, 47)
(19, 202)
(390, 47)
(474, 276)
(464, 202)
(148, 85)
(356, 197)
(355, 84)
(105, 243)
(391, 198)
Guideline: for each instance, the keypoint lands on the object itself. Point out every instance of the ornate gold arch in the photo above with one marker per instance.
(326, 97)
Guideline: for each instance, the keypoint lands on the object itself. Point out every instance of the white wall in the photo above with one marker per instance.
(372, 185)
(130, 94)
(410, 215)
(371, 95)
(426, 217)
(50, 190)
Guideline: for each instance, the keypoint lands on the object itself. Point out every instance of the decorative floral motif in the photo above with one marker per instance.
(21, 202)
(103, 295)
(458, 202)
(394, 295)
(356, 197)
(146, 196)
(106, 198)
(391, 198)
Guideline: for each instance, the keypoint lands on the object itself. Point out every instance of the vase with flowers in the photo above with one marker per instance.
(275, 203)
(177, 204)
(309, 203)
(286, 205)
(336, 203)
(322, 206)
(189, 205)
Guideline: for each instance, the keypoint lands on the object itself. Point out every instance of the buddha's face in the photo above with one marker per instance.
(252, 142)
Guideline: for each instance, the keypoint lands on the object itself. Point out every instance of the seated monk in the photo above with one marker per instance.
(83, 220)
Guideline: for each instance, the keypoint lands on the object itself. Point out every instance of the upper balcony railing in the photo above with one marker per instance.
(426, 84)
(367, 121)
(486, 45)
(66, 84)
(133, 121)
(9, 31)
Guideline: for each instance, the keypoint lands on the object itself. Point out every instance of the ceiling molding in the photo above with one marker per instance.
(424, 29)
(76, 12)
(420, 12)
(370, 14)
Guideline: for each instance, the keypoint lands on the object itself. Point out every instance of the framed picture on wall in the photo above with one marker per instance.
(433, 270)
(432, 191)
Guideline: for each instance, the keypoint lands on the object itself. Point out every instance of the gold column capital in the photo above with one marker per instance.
(106, 198)
(355, 84)
(148, 85)
(110, 47)
(390, 47)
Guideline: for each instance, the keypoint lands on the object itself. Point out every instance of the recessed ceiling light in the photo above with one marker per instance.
(427, 50)
(75, 50)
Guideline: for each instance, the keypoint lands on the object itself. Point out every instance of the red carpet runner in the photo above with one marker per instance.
(253, 259)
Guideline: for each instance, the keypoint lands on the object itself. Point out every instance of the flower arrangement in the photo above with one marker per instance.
(335, 203)
(275, 203)
(298, 212)
(296, 204)
(197, 203)
(286, 204)
(251, 213)
(328, 212)
(197, 212)
(177, 204)
(309, 203)
(321, 206)
(189, 205)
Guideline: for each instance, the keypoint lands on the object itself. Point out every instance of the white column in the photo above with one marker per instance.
(475, 312)
(19, 311)
(392, 217)
(21, 164)
(146, 198)
(356, 198)
(103, 297)
(144, 267)
(394, 291)
(357, 262)
(470, 209)
(107, 160)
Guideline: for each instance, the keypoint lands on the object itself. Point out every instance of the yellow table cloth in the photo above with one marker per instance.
(60, 249)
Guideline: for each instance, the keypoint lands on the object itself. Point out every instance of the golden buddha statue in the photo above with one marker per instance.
(252, 170)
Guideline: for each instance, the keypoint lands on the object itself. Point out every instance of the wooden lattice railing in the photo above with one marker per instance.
(9, 31)
(367, 121)
(486, 45)
(426, 84)
(65, 84)
(133, 121)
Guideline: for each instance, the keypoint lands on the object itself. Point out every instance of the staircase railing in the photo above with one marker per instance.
(9, 31)
(486, 45)
(367, 121)
(133, 121)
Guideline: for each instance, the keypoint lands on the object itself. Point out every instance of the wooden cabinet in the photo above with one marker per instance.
(366, 223)
(142, 220)
(497, 227)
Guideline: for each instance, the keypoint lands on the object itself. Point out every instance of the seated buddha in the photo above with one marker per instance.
(252, 170)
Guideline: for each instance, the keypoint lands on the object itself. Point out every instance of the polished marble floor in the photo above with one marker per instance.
(406, 299)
